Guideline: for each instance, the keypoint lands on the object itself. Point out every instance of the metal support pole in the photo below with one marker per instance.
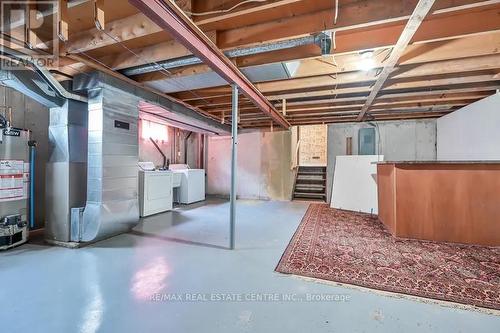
(234, 155)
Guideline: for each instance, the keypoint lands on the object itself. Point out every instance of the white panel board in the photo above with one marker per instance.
(471, 133)
(355, 183)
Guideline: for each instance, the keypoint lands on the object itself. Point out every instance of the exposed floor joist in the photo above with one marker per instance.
(168, 16)
(420, 12)
(451, 60)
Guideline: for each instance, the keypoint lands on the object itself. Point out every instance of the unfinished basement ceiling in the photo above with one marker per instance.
(450, 59)
(261, 73)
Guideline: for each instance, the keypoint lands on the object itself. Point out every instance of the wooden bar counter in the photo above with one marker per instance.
(441, 201)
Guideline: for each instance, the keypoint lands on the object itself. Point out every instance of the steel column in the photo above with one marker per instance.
(234, 156)
(168, 16)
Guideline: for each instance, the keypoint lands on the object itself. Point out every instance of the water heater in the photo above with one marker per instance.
(14, 186)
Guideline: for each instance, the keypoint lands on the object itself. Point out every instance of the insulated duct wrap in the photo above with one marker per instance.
(112, 177)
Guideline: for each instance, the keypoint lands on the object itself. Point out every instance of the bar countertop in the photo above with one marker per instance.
(442, 201)
(439, 162)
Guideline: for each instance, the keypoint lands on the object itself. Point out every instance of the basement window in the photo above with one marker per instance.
(155, 131)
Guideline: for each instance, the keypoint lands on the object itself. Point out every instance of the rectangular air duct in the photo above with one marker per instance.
(92, 175)
(112, 177)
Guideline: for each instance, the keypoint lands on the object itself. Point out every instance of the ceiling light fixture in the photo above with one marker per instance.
(366, 62)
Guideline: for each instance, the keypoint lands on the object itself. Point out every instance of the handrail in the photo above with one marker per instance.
(296, 155)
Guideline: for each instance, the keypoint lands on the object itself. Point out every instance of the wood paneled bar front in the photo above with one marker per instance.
(445, 201)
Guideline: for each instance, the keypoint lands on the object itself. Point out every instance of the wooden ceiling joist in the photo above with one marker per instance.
(451, 60)
(417, 17)
(169, 17)
(351, 41)
(353, 15)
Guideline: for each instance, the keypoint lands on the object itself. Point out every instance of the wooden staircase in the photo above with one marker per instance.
(310, 183)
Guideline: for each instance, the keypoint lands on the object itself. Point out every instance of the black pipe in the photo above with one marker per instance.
(186, 148)
(166, 163)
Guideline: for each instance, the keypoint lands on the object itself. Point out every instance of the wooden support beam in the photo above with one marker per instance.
(434, 28)
(168, 16)
(382, 117)
(139, 25)
(222, 17)
(433, 57)
(32, 22)
(423, 99)
(128, 28)
(62, 20)
(421, 83)
(349, 42)
(423, 7)
(422, 87)
(427, 95)
(291, 54)
(99, 16)
(465, 65)
(354, 15)
(117, 75)
(170, 49)
(326, 110)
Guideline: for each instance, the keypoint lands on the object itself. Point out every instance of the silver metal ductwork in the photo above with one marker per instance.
(112, 178)
(92, 178)
(30, 84)
(66, 172)
(322, 40)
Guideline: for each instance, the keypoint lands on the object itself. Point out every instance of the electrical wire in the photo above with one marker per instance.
(161, 69)
(223, 11)
(336, 11)
(334, 42)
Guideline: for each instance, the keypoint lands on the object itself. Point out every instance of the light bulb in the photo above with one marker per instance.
(366, 62)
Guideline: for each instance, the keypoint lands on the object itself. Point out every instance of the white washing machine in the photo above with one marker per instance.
(192, 187)
(155, 191)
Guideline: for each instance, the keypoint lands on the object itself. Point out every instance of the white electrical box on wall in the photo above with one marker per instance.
(155, 192)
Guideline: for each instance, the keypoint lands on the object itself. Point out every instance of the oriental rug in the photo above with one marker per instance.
(355, 248)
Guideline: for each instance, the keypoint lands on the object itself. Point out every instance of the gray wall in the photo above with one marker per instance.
(264, 165)
(28, 114)
(405, 140)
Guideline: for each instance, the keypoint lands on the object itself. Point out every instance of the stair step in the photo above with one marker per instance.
(310, 183)
(311, 186)
(309, 195)
(311, 167)
(310, 173)
(311, 199)
(314, 193)
(311, 170)
(311, 178)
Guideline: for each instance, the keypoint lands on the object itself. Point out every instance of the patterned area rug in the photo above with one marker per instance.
(355, 248)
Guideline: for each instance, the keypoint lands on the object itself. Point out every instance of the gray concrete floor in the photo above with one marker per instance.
(139, 282)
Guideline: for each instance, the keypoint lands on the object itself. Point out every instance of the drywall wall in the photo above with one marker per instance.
(264, 165)
(471, 133)
(29, 114)
(399, 141)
